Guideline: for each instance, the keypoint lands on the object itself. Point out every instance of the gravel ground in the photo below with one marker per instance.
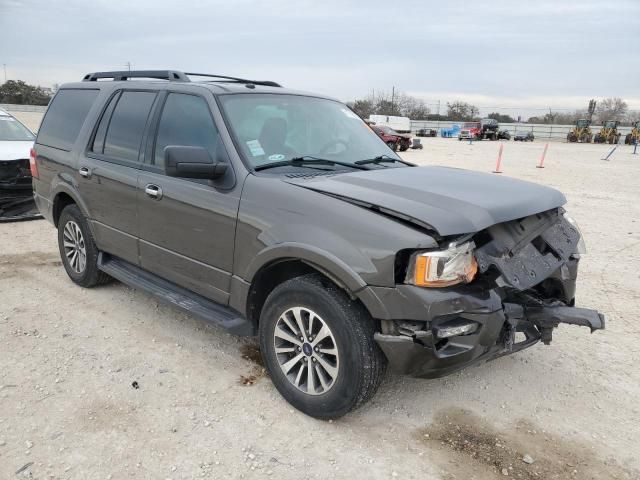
(201, 406)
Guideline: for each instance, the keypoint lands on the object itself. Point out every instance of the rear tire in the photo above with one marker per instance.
(78, 250)
(346, 363)
(393, 146)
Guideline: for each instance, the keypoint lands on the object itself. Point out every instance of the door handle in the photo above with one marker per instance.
(84, 172)
(153, 191)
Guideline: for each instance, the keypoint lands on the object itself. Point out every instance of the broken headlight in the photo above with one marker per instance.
(443, 268)
(581, 247)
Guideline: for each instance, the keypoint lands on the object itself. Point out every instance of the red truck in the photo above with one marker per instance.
(480, 130)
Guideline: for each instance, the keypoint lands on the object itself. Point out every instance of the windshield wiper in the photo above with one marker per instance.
(307, 160)
(381, 159)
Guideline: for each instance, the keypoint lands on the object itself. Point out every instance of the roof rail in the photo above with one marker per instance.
(266, 83)
(171, 75)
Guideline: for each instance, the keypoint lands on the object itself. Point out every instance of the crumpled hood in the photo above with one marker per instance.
(450, 200)
(14, 150)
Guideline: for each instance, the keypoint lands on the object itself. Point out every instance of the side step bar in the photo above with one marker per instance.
(213, 312)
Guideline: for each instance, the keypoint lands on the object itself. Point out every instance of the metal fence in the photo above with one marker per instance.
(540, 130)
(10, 107)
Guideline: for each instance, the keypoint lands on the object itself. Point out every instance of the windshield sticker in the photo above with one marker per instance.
(255, 148)
(350, 114)
(276, 157)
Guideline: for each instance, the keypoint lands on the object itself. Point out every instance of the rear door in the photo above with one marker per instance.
(108, 171)
(187, 226)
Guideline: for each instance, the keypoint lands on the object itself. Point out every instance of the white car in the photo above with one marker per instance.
(16, 191)
(16, 141)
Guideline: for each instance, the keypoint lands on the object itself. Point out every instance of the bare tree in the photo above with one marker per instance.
(611, 109)
(383, 103)
(461, 111)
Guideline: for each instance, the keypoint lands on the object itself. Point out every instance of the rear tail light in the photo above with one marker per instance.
(33, 166)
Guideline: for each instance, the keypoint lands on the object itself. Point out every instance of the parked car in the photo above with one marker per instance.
(16, 195)
(523, 137)
(504, 135)
(277, 213)
(393, 139)
(427, 132)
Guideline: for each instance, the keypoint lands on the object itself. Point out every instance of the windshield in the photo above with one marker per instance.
(471, 125)
(277, 127)
(11, 129)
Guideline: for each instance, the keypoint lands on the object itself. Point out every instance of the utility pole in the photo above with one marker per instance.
(128, 65)
(4, 65)
(393, 94)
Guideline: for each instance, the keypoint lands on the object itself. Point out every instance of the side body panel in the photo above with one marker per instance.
(337, 238)
(187, 236)
(111, 197)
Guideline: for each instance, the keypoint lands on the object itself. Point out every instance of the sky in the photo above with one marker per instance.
(522, 56)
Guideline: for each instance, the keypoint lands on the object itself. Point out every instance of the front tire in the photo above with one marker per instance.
(78, 250)
(318, 347)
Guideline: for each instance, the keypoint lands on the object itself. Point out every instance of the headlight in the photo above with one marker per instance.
(443, 268)
(581, 247)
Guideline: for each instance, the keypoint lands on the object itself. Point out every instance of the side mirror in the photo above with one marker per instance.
(191, 162)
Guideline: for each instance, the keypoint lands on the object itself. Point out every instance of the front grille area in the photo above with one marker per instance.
(15, 172)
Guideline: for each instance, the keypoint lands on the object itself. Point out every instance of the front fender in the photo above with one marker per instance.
(327, 263)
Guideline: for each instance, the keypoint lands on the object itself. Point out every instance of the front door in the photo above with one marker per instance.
(187, 226)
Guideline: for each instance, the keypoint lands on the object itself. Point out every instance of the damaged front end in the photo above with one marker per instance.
(524, 288)
(16, 192)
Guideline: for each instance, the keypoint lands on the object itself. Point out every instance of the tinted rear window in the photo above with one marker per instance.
(127, 124)
(64, 118)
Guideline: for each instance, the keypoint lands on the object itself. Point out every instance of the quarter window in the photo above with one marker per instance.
(65, 116)
(185, 121)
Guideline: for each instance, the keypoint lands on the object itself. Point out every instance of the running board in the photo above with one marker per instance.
(182, 298)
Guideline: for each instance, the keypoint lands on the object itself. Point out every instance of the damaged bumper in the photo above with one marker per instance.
(457, 337)
(525, 290)
(17, 205)
(16, 192)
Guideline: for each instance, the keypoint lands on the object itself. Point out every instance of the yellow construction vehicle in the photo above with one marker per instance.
(581, 132)
(633, 137)
(608, 133)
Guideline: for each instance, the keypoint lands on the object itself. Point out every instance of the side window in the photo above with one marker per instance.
(186, 121)
(125, 129)
(65, 116)
(98, 141)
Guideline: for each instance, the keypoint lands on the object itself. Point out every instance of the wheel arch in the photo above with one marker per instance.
(285, 261)
(62, 197)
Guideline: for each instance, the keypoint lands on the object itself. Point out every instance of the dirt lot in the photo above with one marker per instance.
(202, 408)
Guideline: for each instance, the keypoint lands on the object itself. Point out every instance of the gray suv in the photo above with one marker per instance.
(279, 213)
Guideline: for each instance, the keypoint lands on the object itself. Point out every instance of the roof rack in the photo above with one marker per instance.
(172, 76)
(266, 83)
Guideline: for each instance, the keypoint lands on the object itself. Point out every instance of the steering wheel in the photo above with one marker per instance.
(333, 143)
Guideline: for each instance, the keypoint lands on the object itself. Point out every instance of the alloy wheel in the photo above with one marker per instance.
(74, 247)
(306, 351)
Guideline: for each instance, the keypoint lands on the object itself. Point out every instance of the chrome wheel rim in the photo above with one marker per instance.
(75, 249)
(306, 351)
